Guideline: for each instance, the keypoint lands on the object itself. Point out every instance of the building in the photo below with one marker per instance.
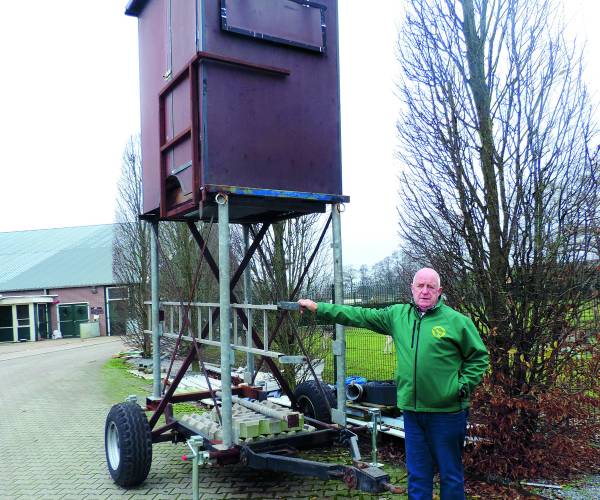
(59, 282)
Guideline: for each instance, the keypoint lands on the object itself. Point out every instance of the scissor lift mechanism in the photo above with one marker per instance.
(269, 453)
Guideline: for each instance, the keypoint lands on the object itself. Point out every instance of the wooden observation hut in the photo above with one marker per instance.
(239, 97)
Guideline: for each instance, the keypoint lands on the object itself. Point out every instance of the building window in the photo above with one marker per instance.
(117, 293)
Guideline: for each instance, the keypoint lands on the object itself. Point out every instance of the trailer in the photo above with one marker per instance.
(245, 425)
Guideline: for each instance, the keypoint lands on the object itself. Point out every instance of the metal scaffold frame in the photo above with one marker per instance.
(269, 453)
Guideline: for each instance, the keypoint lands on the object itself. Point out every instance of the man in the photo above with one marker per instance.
(440, 360)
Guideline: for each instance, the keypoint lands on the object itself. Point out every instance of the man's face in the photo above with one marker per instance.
(425, 289)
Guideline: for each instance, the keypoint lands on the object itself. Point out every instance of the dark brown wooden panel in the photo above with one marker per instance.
(281, 21)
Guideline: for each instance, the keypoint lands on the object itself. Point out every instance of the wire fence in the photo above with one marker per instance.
(368, 354)
(372, 355)
(366, 295)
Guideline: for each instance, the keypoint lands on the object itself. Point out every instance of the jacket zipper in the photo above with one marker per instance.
(412, 342)
(415, 365)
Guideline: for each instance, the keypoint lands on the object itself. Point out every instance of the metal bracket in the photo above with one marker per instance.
(338, 417)
(291, 360)
(354, 448)
(200, 457)
(337, 348)
(348, 438)
(288, 306)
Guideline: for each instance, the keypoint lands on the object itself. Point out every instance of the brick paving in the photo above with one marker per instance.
(52, 413)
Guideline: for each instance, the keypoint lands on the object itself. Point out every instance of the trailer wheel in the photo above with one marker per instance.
(311, 401)
(128, 444)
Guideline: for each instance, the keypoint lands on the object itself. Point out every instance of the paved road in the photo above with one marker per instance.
(52, 412)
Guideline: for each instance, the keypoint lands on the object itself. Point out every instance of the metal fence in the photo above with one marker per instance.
(367, 295)
(372, 356)
(368, 354)
(200, 317)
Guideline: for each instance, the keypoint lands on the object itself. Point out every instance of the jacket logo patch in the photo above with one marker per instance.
(438, 332)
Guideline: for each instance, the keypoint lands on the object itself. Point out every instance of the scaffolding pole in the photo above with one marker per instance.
(338, 416)
(224, 315)
(155, 309)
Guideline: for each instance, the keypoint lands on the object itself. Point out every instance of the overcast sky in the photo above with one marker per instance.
(70, 101)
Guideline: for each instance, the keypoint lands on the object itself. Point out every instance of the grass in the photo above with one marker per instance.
(119, 384)
(365, 356)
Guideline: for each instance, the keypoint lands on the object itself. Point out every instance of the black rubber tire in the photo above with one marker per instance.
(311, 402)
(129, 452)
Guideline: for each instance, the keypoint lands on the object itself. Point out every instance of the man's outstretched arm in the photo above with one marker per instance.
(362, 317)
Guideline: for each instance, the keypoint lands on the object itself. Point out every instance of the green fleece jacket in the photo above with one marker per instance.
(440, 357)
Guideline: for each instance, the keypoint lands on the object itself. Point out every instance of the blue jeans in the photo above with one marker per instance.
(435, 438)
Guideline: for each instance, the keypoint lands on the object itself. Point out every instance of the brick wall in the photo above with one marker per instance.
(84, 295)
(79, 295)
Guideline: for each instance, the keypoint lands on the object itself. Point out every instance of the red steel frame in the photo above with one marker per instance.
(191, 73)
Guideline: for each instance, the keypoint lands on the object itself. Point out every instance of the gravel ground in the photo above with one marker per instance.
(589, 488)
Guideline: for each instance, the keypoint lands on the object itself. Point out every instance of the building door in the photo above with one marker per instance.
(118, 317)
(117, 299)
(70, 316)
(43, 323)
(23, 322)
(6, 324)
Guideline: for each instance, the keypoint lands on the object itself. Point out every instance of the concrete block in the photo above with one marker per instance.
(89, 329)
(270, 426)
(300, 424)
(246, 428)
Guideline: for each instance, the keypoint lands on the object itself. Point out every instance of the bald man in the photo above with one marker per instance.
(440, 358)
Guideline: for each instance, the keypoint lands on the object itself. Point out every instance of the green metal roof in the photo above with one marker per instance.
(56, 258)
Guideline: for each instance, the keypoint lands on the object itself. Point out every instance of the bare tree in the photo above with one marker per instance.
(351, 281)
(131, 247)
(498, 192)
(283, 256)
(178, 254)
(275, 272)
(185, 277)
(395, 270)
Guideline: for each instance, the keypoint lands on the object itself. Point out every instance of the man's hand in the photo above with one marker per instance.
(307, 305)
